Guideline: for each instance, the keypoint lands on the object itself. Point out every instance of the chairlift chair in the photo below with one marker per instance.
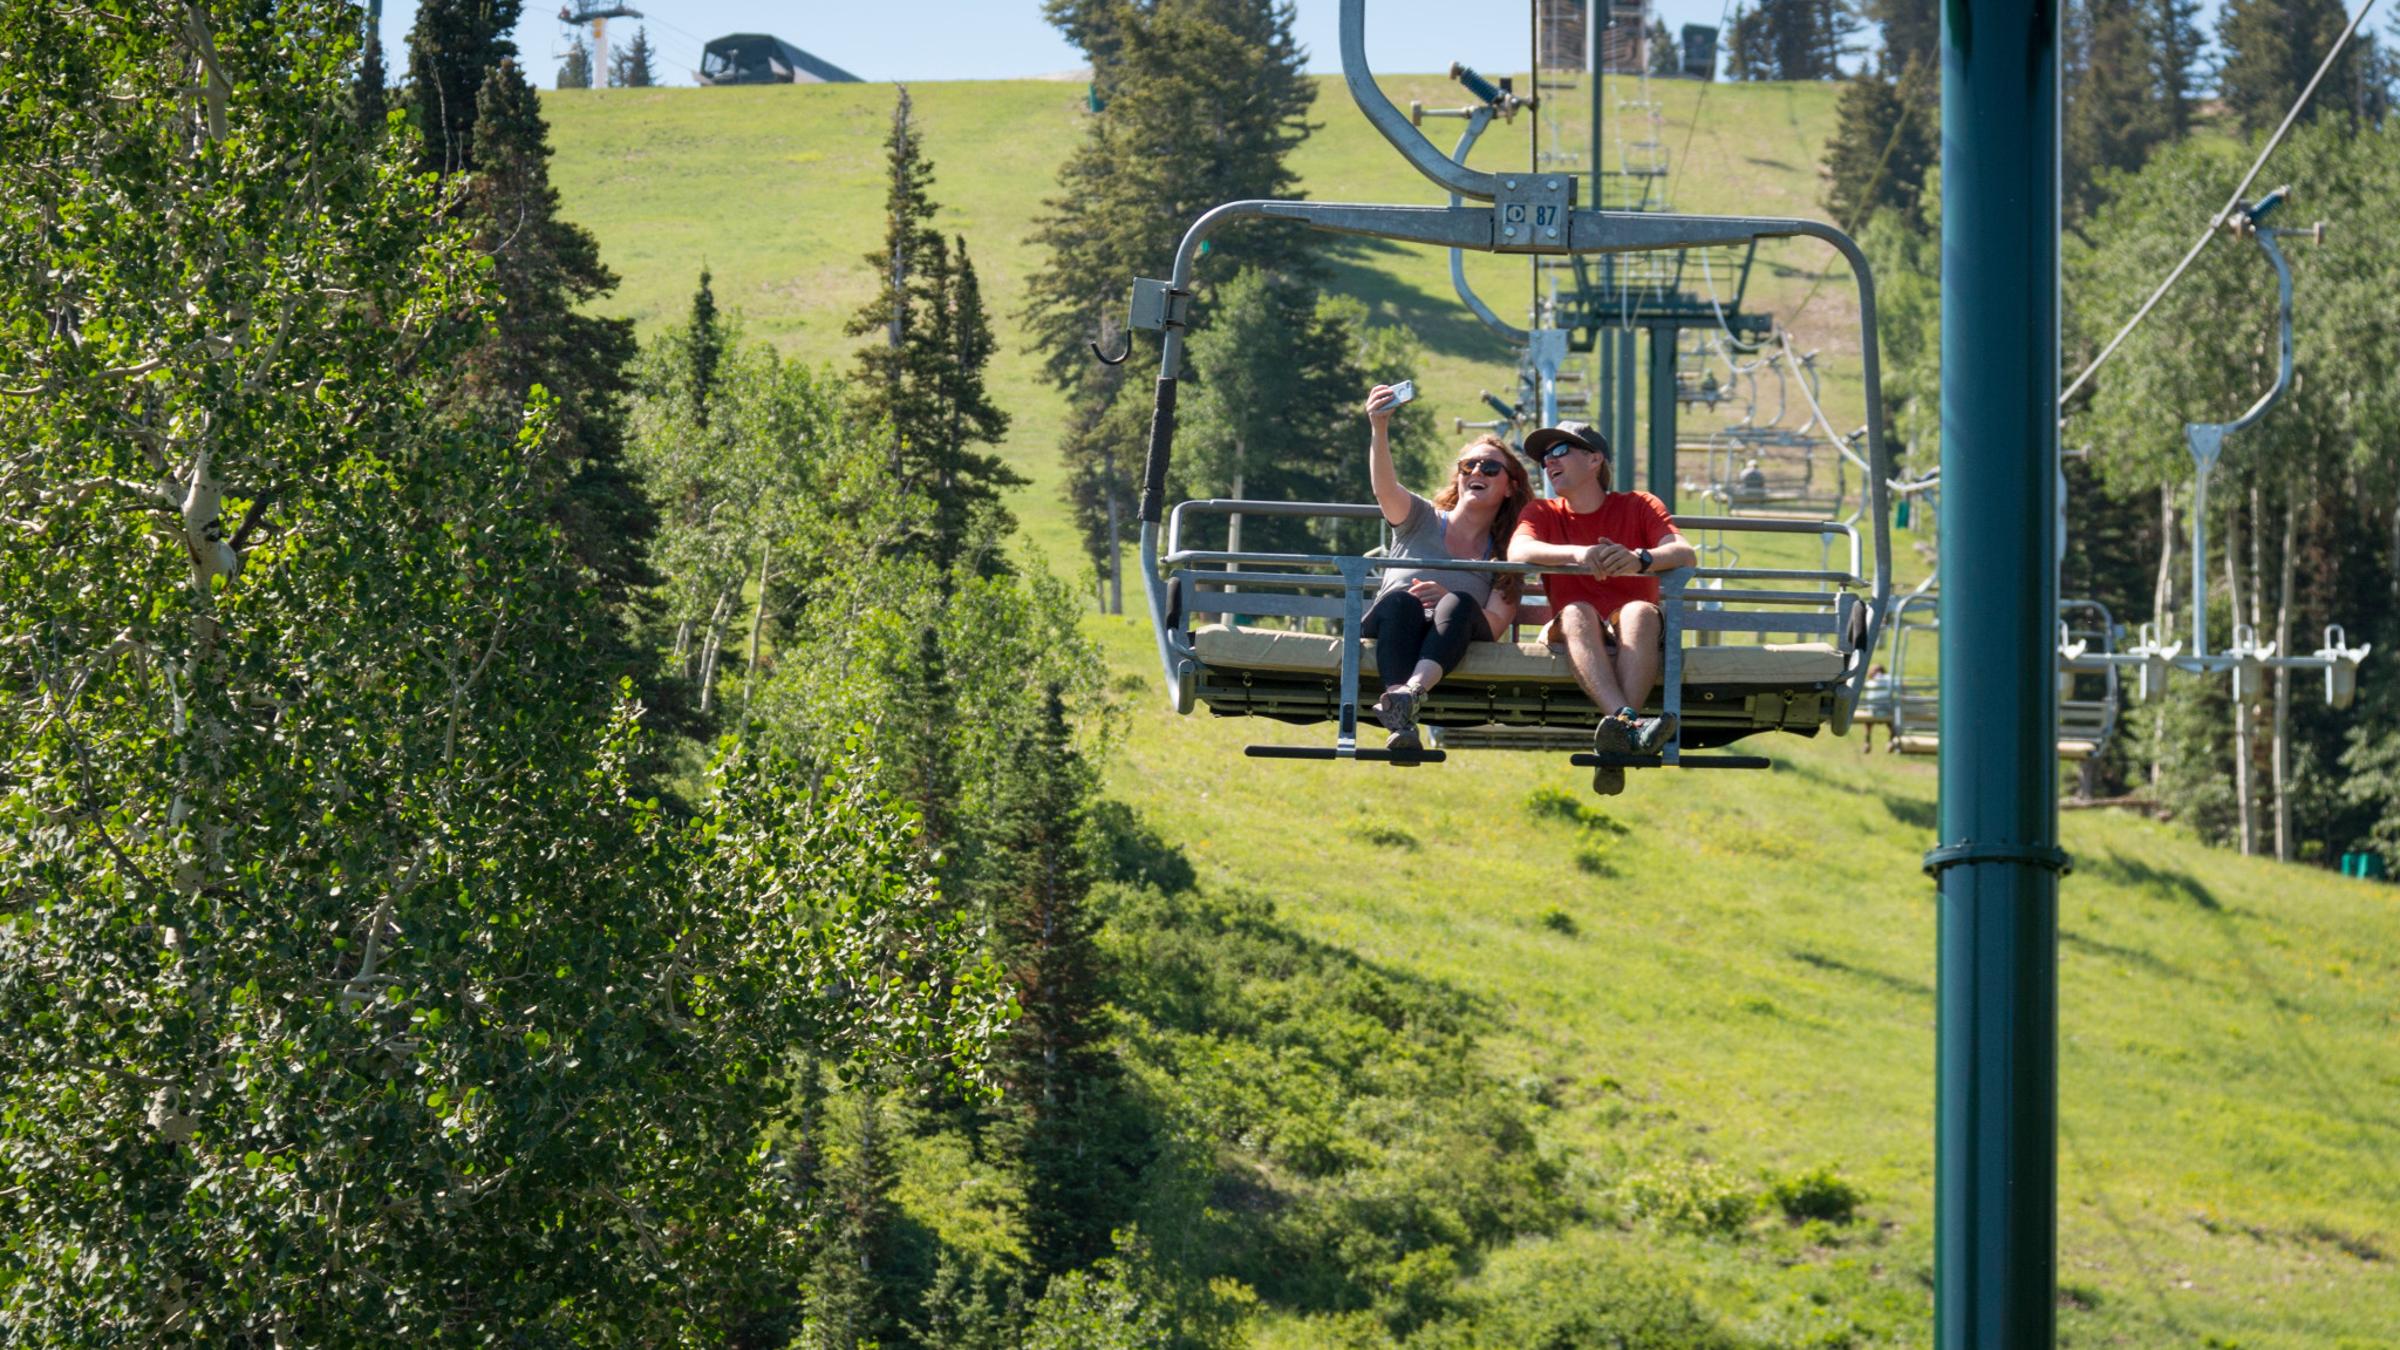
(1909, 701)
(1721, 694)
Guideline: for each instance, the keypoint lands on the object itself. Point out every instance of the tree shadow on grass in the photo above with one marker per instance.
(1401, 286)
(2118, 870)
(1899, 984)
(2132, 956)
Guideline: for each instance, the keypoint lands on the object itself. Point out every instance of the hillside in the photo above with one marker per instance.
(1719, 976)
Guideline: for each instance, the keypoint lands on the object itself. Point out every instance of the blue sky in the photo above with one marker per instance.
(1005, 39)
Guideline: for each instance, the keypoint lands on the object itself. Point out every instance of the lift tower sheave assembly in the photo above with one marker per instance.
(1997, 860)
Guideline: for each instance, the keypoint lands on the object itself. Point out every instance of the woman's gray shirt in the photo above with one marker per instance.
(1424, 535)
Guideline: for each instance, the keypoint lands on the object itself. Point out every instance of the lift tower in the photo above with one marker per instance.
(588, 13)
(1997, 861)
(1602, 302)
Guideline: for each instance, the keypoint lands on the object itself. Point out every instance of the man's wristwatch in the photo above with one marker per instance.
(1644, 555)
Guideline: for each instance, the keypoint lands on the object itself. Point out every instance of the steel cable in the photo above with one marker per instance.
(2217, 222)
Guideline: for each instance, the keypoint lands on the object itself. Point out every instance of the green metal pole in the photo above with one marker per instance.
(1604, 383)
(1997, 859)
(1622, 432)
(1662, 413)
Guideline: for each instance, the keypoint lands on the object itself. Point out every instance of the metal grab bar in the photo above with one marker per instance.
(1226, 506)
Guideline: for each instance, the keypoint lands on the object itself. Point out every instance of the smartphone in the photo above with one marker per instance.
(1403, 392)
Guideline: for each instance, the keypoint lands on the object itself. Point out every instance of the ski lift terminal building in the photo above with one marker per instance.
(761, 58)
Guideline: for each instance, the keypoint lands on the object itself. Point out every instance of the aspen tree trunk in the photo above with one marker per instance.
(712, 644)
(1116, 549)
(2162, 607)
(2281, 766)
(758, 620)
(683, 648)
(2248, 825)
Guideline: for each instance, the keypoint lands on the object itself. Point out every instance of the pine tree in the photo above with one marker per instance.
(850, 1296)
(1226, 74)
(705, 337)
(2113, 117)
(1276, 408)
(634, 63)
(1881, 151)
(1665, 58)
(576, 71)
(965, 481)
(546, 271)
(1054, 1069)
(1790, 40)
(2175, 44)
(924, 375)
(2272, 48)
(1747, 52)
(1912, 32)
(370, 100)
(452, 50)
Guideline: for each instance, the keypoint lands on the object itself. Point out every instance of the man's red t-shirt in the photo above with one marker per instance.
(1630, 519)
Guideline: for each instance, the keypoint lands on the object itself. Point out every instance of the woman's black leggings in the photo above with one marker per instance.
(1404, 636)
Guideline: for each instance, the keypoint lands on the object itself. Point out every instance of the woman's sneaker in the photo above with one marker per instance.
(1397, 710)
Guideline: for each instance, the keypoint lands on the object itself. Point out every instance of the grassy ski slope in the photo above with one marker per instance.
(1748, 979)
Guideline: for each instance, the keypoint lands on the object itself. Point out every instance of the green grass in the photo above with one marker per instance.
(1745, 972)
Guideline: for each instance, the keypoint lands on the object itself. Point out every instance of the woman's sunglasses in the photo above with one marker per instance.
(1489, 468)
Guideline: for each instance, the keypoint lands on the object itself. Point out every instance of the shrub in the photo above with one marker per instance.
(1549, 803)
(1557, 920)
(1819, 1193)
(1697, 1196)
(1591, 857)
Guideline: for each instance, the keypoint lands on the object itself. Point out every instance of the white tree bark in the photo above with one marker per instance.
(714, 643)
(758, 621)
(2247, 825)
(2162, 609)
(2281, 766)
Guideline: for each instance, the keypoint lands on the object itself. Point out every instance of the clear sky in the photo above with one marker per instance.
(1006, 39)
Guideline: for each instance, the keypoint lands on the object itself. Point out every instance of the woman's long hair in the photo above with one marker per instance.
(1504, 525)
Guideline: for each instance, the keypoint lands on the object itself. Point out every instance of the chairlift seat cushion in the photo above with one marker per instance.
(1779, 664)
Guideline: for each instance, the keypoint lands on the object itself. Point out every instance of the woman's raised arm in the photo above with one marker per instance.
(1395, 500)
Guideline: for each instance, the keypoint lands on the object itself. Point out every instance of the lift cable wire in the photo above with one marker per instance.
(1702, 100)
(2233, 203)
(1883, 164)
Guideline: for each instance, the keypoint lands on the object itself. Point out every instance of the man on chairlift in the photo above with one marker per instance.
(1604, 602)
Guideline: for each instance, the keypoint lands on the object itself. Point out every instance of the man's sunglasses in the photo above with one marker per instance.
(1557, 448)
(1489, 468)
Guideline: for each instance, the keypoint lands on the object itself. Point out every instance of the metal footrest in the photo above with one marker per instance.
(1329, 752)
(1586, 761)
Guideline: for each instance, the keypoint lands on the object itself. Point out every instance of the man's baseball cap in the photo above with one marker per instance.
(1578, 434)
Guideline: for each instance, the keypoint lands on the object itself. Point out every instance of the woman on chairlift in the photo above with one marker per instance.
(1424, 617)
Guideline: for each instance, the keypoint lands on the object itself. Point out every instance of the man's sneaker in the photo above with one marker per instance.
(1651, 734)
(1608, 779)
(1614, 735)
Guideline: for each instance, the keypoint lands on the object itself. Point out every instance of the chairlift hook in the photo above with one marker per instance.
(1117, 360)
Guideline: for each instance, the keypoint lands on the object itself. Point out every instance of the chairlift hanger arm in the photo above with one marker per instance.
(1481, 118)
(1394, 125)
